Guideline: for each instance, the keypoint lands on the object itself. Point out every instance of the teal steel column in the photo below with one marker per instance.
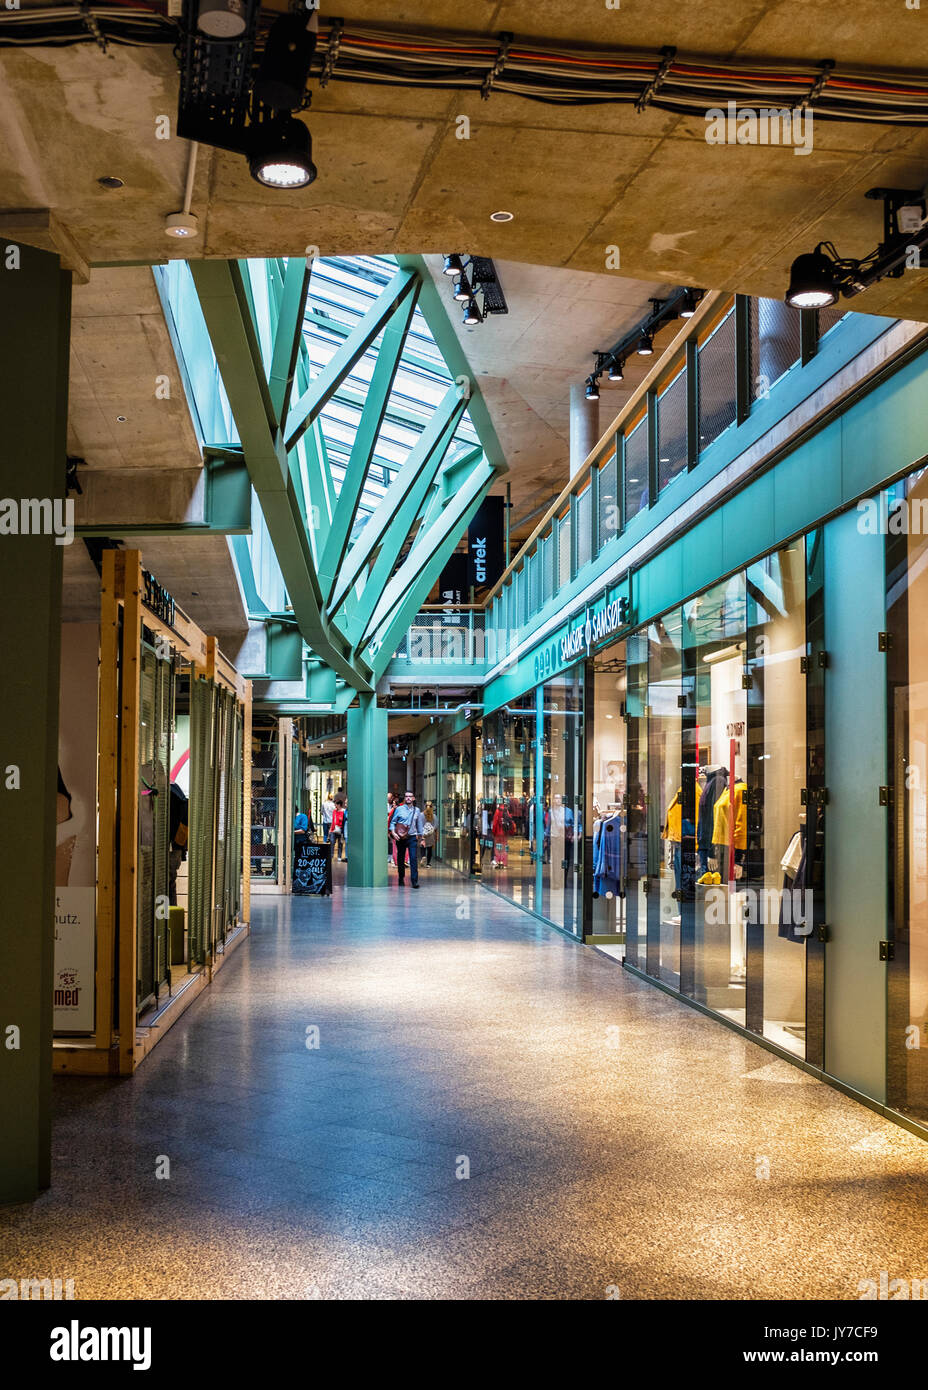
(539, 795)
(35, 310)
(367, 794)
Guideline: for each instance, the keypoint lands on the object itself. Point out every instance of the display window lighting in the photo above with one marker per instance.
(592, 389)
(615, 372)
(462, 289)
(453, 266)
(472, 314)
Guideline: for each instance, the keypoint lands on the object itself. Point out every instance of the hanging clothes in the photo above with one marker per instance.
(673, 825)
(609, 856)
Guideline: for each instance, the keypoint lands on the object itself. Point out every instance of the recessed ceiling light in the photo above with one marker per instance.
(111, 181)
(501, 216)
(181, 224)
(120, 419)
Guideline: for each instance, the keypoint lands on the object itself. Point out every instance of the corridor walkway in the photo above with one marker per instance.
(615, 1139)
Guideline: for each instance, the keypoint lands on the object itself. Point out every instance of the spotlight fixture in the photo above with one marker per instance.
(221, 19)
(681, 303)
(229, 100)
(592, 389)
(689, 305)
(501, 216)
(181, 224)
(817, 278)
(476, 286)
(283, 154)
(812, 281)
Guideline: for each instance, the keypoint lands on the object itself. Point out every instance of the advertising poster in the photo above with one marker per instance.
(76, 839)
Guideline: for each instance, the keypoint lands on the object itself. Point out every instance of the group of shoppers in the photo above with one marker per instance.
(410, 832)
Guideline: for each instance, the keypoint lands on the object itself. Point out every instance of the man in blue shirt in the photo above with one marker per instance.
(407, 827)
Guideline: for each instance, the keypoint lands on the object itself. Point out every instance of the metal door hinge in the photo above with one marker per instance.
(884, 641)
(823, 659)
(813, 796)
(886, 796)
(821, 932)
(681, 702)
(887, 950)
(747, 681)
(804, 665)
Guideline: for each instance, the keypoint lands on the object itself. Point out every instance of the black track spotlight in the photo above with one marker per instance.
(472, 314)
(452, 266)
(645, 346)
(615, 371)
(282, 153)
(812, 281)
(288, 53)
(688, 307)
(592, 389)
(462, 289)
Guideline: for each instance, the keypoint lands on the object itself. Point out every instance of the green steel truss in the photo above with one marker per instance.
(355, 570)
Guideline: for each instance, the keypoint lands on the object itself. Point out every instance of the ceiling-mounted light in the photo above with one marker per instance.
(462, 289)
(592, 389)
(472, 314)
(501, 216)
(282, 154)
(452, 266)
(615, 371)
(812, 281)
(221, 19)
(285, 62)
(181, 224)
(645, 346)
(688, 308)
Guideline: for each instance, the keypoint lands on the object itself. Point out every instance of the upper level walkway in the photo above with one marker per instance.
(614, 1137)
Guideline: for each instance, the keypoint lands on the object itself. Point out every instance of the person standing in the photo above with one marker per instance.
(407, 827)
(328, 810)
(337, 829)
(428, 833)
(391, 846)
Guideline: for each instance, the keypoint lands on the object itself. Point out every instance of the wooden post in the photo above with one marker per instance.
(107, 782)
(129, 806)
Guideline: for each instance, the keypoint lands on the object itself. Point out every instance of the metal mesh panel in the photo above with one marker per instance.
(221, 762)
(583, 529)
(608, 502)
(548, 561)
(531, 568)
(671, 431)
(775, 342)
(563, 551)
(827, 318)
(636, 470)
(717, 382)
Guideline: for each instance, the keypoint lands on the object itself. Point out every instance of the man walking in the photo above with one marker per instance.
(328, 810)
(407, 827)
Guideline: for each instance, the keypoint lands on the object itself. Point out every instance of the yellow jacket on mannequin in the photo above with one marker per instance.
(720, 817)
(673, 824)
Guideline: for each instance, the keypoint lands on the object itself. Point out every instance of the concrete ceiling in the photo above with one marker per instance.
(393, 175)
(526, 361)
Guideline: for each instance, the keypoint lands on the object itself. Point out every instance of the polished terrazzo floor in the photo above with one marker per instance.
(616, 1140)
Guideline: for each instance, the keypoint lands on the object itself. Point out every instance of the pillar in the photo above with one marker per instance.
(584, 426)
(35, 311)
(367, 794)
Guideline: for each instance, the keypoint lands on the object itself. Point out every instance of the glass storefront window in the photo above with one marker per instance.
(506, 823)
(907, 720)
(562, 859)
(455, 826)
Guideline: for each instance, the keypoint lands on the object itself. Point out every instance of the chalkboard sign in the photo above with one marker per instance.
(312, 868)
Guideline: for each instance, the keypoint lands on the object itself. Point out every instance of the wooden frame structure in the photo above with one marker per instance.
(114, 1048)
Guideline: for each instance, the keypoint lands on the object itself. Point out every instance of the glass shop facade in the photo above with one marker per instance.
(703, 746)
(731, 797)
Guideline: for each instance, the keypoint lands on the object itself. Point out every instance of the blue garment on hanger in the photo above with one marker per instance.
(608, 856)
